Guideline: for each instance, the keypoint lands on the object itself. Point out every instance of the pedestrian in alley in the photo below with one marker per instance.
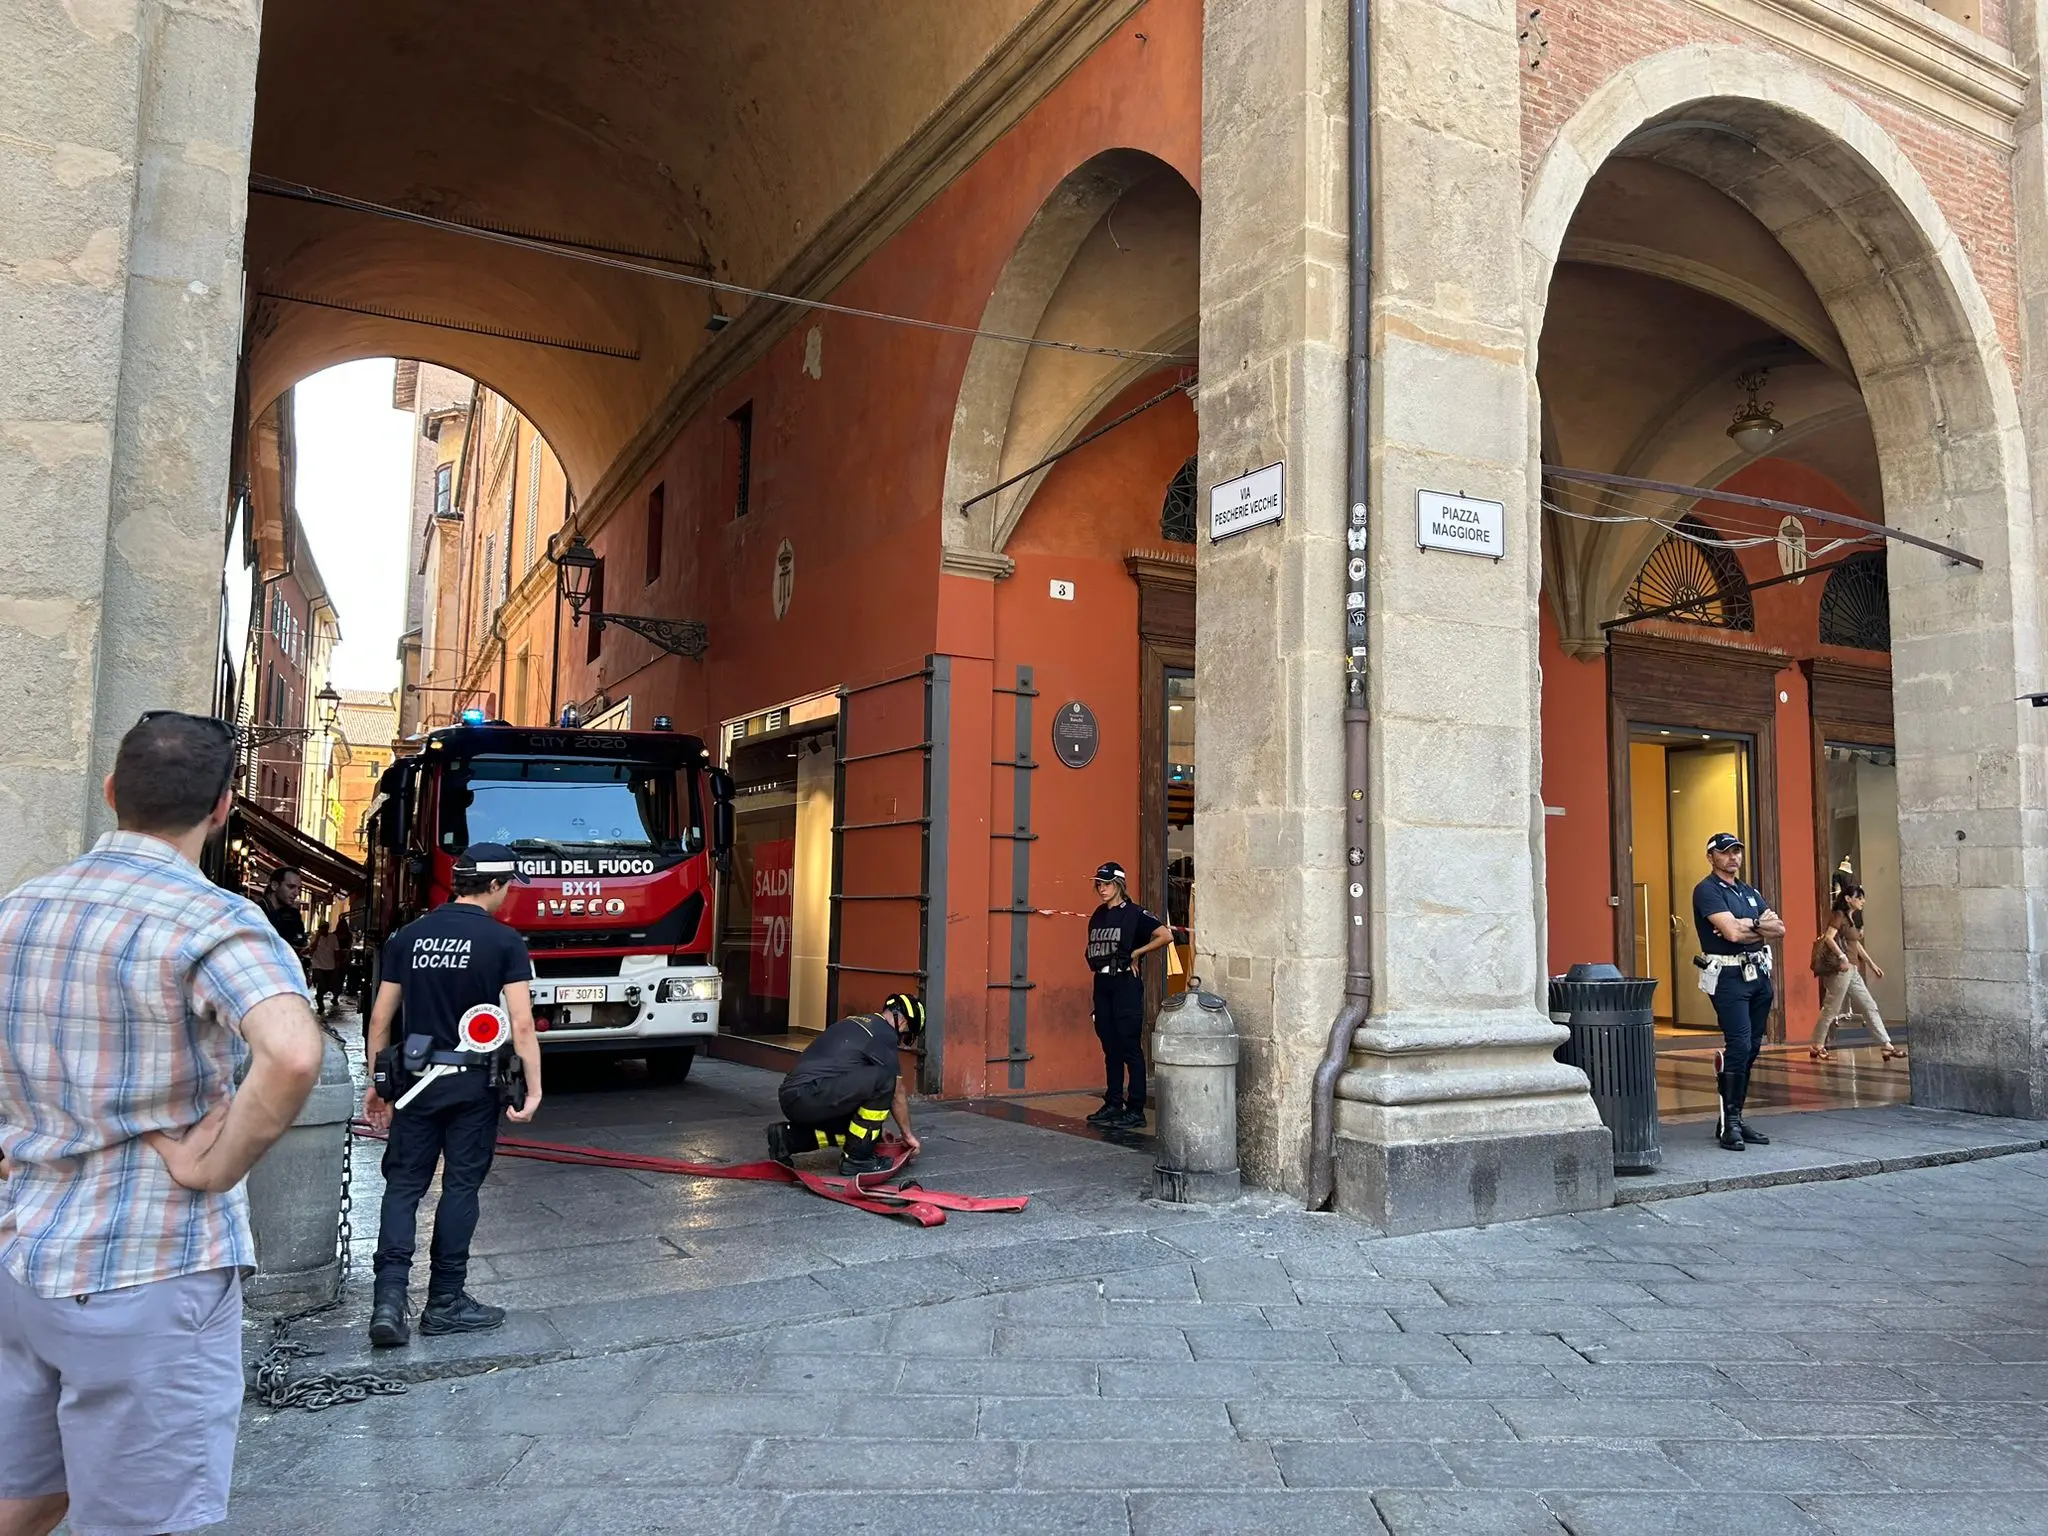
(845, 1087)
(1735, 928)
(125, 978)
(281, 906)
(456, 959)
(324, 967)
(1120, 934)
(1843, 991)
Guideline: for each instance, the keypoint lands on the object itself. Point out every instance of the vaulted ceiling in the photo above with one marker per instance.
(1667, 292)
(704, 131)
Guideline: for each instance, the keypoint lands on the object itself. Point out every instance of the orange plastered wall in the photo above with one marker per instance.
(849, 458)
(1094, 508)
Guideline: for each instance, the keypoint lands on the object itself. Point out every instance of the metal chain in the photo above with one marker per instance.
(276, 1387)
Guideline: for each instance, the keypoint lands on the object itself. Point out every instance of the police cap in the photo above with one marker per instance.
(490, 861)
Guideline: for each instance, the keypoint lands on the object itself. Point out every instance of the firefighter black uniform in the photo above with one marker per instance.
(844, 1087)
(442, 965)
(1118, 932)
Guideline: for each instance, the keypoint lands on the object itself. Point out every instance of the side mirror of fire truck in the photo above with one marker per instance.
(722, 832)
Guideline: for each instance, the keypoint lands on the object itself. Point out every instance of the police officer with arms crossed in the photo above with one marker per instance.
(845, 1086)
(1120, 934)
(1735, 930)
(439, 967)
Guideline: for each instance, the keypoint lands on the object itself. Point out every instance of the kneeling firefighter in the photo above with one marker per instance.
(845, 1087)
(468, 1050)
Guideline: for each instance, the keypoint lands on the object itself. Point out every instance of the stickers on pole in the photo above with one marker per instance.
(1460, 525)
(1250, 501)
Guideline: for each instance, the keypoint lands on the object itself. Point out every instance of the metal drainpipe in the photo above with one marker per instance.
(1357, 712)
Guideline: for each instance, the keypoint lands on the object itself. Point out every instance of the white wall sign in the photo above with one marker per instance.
(1460, 524)
(1063, 590)
(1249, 501)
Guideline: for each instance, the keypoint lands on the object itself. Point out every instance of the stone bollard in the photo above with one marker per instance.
(1194, 1061)
(295, 1198)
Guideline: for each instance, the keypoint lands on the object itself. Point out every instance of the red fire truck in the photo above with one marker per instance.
(619, 832)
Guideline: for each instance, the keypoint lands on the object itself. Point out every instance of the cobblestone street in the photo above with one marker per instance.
(1861, 1355)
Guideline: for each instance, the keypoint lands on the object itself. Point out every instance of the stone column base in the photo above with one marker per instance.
(1462, 1119)
(1427, 1186)
(2013, 1092)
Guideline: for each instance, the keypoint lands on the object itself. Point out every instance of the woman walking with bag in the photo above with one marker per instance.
(1839, 959)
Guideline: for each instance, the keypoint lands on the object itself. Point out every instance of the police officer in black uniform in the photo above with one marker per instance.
(845, 1086)
(1120, 934)
(437, 969)
(1735, 929)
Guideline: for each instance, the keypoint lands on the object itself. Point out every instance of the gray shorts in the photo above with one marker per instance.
(128, 1400)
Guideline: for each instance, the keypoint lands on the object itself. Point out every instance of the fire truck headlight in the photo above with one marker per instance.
(685, 989)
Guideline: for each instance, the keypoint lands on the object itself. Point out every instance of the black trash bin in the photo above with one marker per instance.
(1614, 1042)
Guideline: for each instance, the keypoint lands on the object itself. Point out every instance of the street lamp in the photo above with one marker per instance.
(330, 706)
(576, 568)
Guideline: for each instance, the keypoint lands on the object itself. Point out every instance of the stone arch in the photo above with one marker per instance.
(1853, 212)
(985, 444)
(274, 386)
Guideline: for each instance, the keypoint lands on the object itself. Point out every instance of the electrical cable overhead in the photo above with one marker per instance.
(1637, 485)
(1744, 539)
(270, 186)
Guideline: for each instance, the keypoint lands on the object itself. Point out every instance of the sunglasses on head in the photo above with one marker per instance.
(227, 732)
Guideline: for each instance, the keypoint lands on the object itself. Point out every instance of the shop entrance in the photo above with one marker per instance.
(775, 907)
(1684, 787)
(1860, 803)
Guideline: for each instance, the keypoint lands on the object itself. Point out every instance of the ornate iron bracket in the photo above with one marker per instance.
(270, 735)
(679, 637)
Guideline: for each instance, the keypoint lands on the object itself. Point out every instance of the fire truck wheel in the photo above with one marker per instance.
(671, 1065)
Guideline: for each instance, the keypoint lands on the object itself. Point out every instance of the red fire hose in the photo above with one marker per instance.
(864, 1192)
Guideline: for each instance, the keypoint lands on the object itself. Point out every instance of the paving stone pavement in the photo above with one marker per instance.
(1858, 1356)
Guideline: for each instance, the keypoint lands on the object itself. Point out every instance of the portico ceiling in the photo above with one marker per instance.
(714, 133)
(1667, 292)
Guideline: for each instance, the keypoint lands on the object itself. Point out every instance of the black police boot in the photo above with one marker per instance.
(1750, 1134)
(459, 1313)
(1111, 1110)
(1729, 1134)
(779, 1148)
(387, 1318)
(1128, 1120)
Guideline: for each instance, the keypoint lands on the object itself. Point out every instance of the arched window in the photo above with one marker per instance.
(1177, 516)
(1694, 567)
(1856, 604)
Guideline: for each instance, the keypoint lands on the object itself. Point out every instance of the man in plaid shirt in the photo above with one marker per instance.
(130, 987)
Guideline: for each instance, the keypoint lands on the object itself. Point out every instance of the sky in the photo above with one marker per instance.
(354, 498)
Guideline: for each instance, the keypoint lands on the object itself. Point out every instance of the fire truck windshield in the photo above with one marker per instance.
(542, 802)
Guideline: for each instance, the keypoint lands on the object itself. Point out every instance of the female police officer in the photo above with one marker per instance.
(456, 958)
(1735, 930)
(1120, 934)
